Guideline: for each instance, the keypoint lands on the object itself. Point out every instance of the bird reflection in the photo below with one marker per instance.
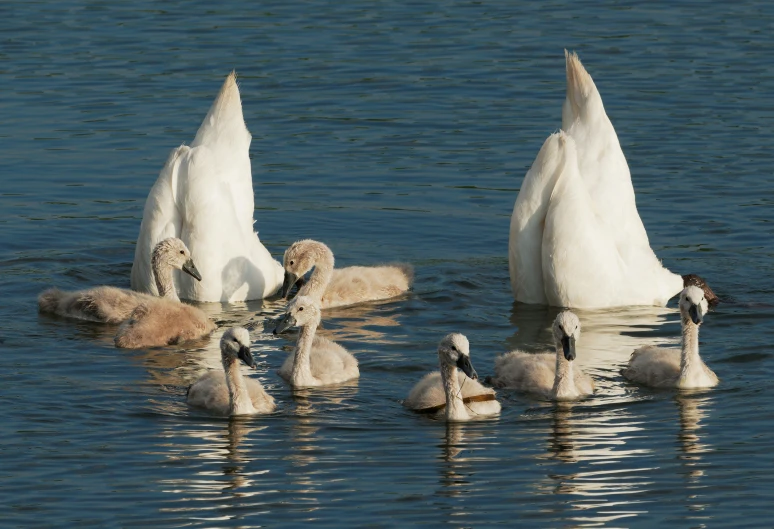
(453, 445)
(692, 411)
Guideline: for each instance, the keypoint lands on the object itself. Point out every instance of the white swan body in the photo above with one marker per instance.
(552, 376)
(576, 239)
(682, 368)
(227, 392)
(454, 395)
(107, 304)
(316, 361)
(204, 196)
(336, 287)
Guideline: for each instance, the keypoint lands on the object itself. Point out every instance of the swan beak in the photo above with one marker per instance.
(568, 346)
(285, 323)
(190, 268)
(463, 362)
(290, 280)
(695, 315)
(246, 356)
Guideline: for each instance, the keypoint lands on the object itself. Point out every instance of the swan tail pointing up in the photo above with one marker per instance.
(582, 94)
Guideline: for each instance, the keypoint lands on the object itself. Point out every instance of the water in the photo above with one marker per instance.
(392, 132)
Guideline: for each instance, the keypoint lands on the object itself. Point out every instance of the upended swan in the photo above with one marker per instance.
(204, 195)
(455, 395)
(316, 361)
(227, 392)
(336, 287)
(576, 238)
(552, 376)
(661, 367)
(113, 305)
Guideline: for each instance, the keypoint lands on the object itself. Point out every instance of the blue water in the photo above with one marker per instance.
(393, 132)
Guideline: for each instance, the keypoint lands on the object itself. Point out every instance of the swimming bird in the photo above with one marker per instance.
(661, 367)
(204, 195)
(576, 238)
(335, 287)
(552, 376)
(227, 392)
(316, 360)
(113, 305)
(455, 395)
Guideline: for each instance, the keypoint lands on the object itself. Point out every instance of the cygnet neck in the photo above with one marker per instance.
(323, 270)
(455, 407)
(564, 379)
(689, 356)
(162, 272)
(301, 375)
(238, 395)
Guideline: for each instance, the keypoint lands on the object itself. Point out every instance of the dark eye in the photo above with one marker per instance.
(182, 252)
(300, 309)
(454, 347)
(291, 262)
(236, 340)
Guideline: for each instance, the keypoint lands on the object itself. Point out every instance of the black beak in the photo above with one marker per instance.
(463, 362)
(285, 323)
(246, 356)
(190, 268)
(568, 346)
(290, 280)
(693, 312)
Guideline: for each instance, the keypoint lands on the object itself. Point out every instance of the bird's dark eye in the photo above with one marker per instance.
(300, 309)
(291, 262)
(236, 340)
(454, 347)
(182, 252)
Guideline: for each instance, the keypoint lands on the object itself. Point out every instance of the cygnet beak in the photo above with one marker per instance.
(290, 280)
(285, 323)
(568, 347)
(246, 356)
(190, 268)
(695, 315)
(463, 362)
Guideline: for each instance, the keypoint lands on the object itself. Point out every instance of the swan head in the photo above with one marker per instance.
(302, 311)
(567, 328)
(173, 252)
(454, 350)
(235, 344)
(698, 281)
(693, 304)
(299, 258)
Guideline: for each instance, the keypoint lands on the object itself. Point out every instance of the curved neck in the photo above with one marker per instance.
(455, 408)
(689, 357)
(564, 379)
(301, 375)
(321, 275)
(162, 272)
(238, 396)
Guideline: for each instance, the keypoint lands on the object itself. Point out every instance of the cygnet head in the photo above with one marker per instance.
(302, 311)
(693, 305)
(235, 344)
(173, 252)
(696, 280)
(299, 258)
(567, 328)
(454, 350)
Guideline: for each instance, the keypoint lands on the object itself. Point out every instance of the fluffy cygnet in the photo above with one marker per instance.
(553, 376)
(662, 367)
(227, 392)
(455, 395)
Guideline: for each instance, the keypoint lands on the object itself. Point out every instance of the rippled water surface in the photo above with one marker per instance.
(392, 132)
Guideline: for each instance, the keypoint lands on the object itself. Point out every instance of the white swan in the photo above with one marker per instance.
(455, 395)
(113, 305)
(227, 392)
(660, 367)
(336, 287)
(553, 376)
(576, 239)
(316, 361)
(204, 195)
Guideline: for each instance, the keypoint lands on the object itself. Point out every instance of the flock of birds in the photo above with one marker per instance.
(576, 241)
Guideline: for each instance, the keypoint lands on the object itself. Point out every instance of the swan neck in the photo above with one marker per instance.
(162, 273)
(455, 407)
(238, 396)
(301, 374)
(321, 275)
(689, 357)
(564, 379)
